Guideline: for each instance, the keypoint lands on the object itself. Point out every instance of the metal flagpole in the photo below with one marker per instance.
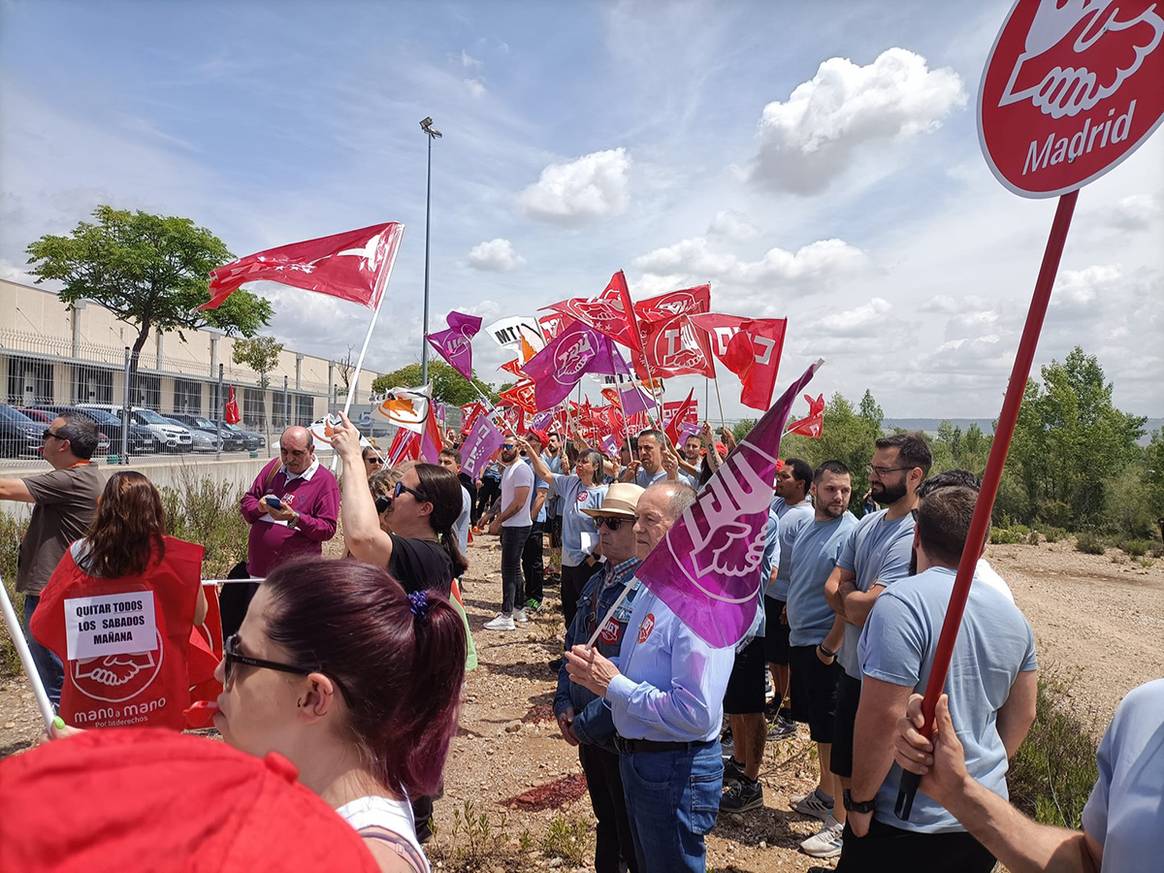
(719, 402)
(220, 413)
(382, 282)
(14, 631)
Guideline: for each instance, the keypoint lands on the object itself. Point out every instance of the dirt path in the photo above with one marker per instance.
(1092, 615)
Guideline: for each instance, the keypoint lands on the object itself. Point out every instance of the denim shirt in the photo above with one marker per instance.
(592, 720)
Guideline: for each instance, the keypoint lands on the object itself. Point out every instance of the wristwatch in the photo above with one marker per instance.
(293, 521)
(853, 806)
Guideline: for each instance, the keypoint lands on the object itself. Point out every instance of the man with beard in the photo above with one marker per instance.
(666, 699)
(513, 523)
(793, 483)
(812, 651)
(876, 554)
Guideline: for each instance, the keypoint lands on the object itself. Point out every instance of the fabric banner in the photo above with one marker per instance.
(706, 568)
(480, 446)
(405, 407)
(230, 412)
(811, 426)
(353, 265)
(556, 369)
(455, 345)
(611, 313)
(685, 412)
(521, 396)
(671, 344)
(750, 348)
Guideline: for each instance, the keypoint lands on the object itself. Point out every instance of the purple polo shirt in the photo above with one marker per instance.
(314, 495)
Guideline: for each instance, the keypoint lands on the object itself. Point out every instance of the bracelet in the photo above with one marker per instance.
(825, 652)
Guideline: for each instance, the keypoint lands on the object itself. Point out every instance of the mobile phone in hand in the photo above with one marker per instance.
(274, 502)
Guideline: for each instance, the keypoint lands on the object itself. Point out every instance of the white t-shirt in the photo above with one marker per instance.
(517, 475)
(374, 812)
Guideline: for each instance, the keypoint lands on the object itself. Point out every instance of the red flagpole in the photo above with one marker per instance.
(980, 523)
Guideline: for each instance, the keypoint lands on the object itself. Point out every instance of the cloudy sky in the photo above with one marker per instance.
(818, 162)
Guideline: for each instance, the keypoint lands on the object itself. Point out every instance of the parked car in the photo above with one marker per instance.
(103, 439)
(232, 441)
(141, 439)
(20, 436)
(171, 436)
(252, 439)
(202, 441)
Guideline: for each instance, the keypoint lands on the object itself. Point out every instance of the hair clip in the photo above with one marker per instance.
(418, 604)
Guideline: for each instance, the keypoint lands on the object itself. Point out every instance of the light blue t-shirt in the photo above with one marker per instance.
(810, 618)
(793, 519)
(672, 682)
(878, 550)
(645, 480)
(540, 484)
(574, 497)
(995, 643)
(771, 558)
(1123, 812)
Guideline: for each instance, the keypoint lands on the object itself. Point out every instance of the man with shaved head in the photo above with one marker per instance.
(292, 507)
(666, 700)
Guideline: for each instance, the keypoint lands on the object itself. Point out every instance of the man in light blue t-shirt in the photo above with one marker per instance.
(656, 462)
(991, 685)
(875, 556)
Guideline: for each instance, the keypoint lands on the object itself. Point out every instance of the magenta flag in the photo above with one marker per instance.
(556, 369)
(707, 567)
(610, 444)
(542, 420)
(483, 441)
(455, 345)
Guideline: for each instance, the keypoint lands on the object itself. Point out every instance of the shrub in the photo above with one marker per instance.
(1033, 538)
(205, 511)
(1007, 536)
(1135, 548)
(11, 533)
(1054, 769)
(568, 838)
(476, 841)
(1089, 543)
(1051, 533)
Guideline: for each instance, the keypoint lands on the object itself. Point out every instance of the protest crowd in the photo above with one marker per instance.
(338, 681)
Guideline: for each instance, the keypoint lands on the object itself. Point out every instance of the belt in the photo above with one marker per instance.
(629, 747)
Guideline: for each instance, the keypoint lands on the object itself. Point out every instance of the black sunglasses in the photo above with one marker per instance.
(383, 502)
(48, 433)
(613, 523)
(373, 459)
(401, 488)
(231, 656)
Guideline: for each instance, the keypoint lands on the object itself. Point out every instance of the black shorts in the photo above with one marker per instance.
(775, 632)
(886, 847)
(814, 693)
(555, 527)
(745, 688)
(848, 696)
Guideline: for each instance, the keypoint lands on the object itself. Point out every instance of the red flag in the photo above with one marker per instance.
(353, 265)
(671, 428)
(610, 313)
(521, 396)
(750, 348)
(552, 325)
(405, 447)
(812, 426)
(671, 344)
(469, 413)
(230, 412)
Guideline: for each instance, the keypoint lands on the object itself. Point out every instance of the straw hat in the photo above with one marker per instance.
(621, 501)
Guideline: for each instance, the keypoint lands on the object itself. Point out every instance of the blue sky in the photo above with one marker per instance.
(814, 161)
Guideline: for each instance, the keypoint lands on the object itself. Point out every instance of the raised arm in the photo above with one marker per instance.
(362, 534)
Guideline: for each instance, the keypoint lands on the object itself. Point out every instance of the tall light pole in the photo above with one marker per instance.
(432, 133)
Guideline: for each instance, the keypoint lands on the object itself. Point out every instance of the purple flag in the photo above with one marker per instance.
(455, 344)
(542, 420)
(610, 444)
(483, 441)
(707, 567)
(577, 350)
(687, 429)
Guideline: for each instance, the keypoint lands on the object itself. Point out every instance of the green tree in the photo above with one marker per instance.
(150, 271)
(870, 410)
(847, 437)
(1154, 476)
(261, 354)
(448, 385)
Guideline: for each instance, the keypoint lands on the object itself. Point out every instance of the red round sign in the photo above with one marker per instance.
(1071, 88)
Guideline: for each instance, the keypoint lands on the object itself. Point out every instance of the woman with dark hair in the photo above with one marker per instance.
(421, 550)
(358, 684)
(583, 489)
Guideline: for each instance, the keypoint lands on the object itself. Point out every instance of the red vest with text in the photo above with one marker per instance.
(142, 689)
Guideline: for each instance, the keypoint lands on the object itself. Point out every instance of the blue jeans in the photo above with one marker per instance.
(48, 665)
(672, 800)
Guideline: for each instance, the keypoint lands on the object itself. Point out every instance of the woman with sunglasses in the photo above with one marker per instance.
(579, 491)
(355, 682)
(373, 461)
(420, 550)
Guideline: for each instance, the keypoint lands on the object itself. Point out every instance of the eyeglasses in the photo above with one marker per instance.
(231, 656)
(48, 433)
(881, 471)
(613, 523)
(401, 488)
(374, 460)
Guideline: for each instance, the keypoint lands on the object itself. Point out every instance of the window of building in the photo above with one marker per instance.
(188, 396)
(92, 384)
(29, 382)
(147, 391)
(254, 408)
(306, 409)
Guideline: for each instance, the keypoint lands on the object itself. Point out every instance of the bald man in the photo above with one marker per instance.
(292, 508)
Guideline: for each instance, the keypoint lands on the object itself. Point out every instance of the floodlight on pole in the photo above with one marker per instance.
(432, 133)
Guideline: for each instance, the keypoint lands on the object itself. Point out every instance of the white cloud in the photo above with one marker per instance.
(1082, 289)
(730, 224)
(1135, 212)
(592, 186)
(860, 321)
(496, 255)
(476, 87)
(469, 62)
(695, 257)
(810, 138)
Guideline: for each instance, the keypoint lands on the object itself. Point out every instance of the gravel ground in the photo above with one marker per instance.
(1098, 620)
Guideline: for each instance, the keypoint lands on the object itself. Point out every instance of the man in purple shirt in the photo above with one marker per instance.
(292, 507)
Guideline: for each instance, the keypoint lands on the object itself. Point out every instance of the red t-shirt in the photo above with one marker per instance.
(140, 688)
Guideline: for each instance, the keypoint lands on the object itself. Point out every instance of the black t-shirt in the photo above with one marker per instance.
(469, 484)
(421, 564)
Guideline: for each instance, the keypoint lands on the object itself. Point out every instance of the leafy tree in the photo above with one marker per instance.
(848, 437)
(150, 271)
(448, 385)
(870, 411)
(1154, 476)
(742, 428)
(261, 354)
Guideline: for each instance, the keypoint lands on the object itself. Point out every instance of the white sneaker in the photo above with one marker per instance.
(827, 843)
(813, 804)
(519, 616)
(503, 622)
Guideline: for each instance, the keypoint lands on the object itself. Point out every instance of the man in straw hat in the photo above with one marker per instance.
(582, 717)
